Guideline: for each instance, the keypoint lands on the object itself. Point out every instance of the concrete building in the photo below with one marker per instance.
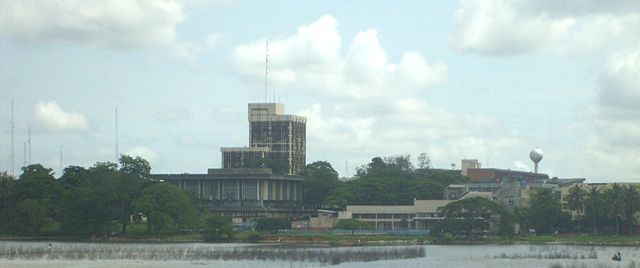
(243, 194)
(496, 175)
(322, 220)
(467, 164)
(422, 215)
(278, 136)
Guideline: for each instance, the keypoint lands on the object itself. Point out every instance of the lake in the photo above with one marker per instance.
(139, 255)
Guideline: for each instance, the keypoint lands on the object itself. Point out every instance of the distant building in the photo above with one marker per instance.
(322, 220)
(497, 175)
(467, 164)
(243, 194)
(273, 135)
(422, 215)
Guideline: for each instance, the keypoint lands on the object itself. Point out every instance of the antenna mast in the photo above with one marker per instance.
(61, 169)
(13, 139)
(117, 150)
(266, 69)
(29, 145)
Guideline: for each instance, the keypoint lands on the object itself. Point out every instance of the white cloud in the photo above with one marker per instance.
(614, 143)
(509, 27)
(312, 59)
(143, 152)
(375, 107)
(141, 23)
(52, 117)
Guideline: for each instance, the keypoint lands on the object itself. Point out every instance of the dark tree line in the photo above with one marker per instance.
(91, 201)
(384, 181)
(605, 210)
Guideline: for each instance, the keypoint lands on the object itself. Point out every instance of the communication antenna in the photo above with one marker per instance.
(29, 145)
(117, 150)
(61, 169)
(13, 145)
(266, 69)
(24, 154)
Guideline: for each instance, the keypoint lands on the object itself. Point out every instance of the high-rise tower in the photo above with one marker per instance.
(272, 134)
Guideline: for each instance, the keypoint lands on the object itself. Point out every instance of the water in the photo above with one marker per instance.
(175, 255)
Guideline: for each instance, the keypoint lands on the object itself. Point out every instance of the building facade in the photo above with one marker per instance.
(273, 135)
(243, 194)
(497, 175)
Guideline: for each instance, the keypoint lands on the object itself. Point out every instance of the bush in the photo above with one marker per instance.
(218, 229)
(272, 225)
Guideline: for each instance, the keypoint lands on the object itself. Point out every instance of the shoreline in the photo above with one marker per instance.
(351, 241)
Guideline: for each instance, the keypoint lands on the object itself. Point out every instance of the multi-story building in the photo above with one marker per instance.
(497, 175)
(273, 135)
(242, 193)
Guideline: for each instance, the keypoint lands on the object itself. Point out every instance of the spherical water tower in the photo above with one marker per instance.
(536, 157)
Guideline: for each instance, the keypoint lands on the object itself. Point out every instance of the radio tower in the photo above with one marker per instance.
(117, 150)
(13, 140)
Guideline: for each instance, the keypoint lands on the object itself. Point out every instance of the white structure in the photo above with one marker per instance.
(467, 164)
(536, 157)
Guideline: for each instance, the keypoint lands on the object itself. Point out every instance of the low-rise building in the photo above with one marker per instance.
(244, 193)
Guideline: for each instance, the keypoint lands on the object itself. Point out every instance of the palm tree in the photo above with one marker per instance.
(614, 202)
(631, 199)
(576, 200)
(594, 207)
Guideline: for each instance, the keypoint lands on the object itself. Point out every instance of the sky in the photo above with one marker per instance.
(488, 80)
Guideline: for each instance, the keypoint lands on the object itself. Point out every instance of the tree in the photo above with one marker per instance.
(7, 184)
(545, 212)
(615, 204)
(576, 201)
(218, 229)
(272, 225)
(319, 179)
(137, 166)
(165, 205)
(631, 206)
(352, 225)
(474, 216)
(424, 162)
(30, 216)
(594, 207)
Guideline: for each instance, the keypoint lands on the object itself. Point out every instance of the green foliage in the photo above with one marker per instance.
(218, 229)
(30, 216)
(594, 208)
(473, 217)
(319, 179)
(272, 224)
(545, 212)
(165, 206)
(352, 225)
(137, 166)
(391, 181)
(631, 206)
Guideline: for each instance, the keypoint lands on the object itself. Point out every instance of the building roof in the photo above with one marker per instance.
(229, 174)
(380, 209)
(429, 206)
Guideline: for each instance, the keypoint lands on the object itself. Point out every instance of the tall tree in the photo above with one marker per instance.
(473, 216)
(545, 212)
(137, 166)
(424, 162)
(594, 207)
(615, 204)
(165, 205)
(319, 179)
(575, 202)
(631, 206)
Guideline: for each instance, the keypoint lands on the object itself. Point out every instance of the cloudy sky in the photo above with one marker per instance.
(489, 80)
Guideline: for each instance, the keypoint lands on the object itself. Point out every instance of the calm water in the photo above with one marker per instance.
(436, 256)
